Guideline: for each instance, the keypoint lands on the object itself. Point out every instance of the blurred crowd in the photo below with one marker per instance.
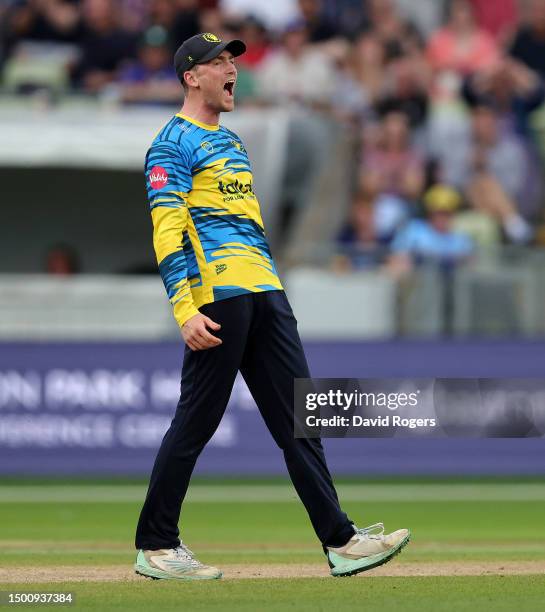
(440, 96)
(450, 162)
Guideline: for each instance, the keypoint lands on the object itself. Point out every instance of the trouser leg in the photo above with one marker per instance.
(207, 381)
(274, 356)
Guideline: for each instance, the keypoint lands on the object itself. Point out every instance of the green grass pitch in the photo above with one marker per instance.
(89, 527)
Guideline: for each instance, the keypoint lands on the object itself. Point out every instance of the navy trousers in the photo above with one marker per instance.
(260, 338)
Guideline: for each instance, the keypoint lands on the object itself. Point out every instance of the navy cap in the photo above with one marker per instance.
(202, 48)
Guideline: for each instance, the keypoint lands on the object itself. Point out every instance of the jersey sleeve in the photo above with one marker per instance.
(168, 180)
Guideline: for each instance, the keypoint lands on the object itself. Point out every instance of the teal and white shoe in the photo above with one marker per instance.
(173, 564)
(368, 548)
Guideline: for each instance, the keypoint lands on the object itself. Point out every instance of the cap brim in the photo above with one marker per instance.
(236, 47)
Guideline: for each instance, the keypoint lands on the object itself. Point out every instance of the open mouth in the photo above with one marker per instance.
(229, 87)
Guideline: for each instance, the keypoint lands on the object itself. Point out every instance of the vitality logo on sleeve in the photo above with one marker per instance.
(158, 177)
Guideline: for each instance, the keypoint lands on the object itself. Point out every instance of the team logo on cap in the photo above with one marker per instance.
(211, 37)
(158, 177)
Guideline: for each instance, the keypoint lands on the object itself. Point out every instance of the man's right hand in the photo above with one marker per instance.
(196, 335)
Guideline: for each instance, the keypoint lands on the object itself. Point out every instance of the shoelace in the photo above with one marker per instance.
(183, 552)
(374, 532)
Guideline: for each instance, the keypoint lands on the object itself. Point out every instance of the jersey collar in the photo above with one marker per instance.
(204, 126)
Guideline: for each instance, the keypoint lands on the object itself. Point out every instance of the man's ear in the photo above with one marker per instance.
(190, 77)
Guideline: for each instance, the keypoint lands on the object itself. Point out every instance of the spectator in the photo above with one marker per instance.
(433, 239)
(350, 100)
(297, 71)
(529, 43)
(391, 164)
(151, 79)
(62, 260)
(350, 15)
(38, 43)
(162, 13)
(482, 228)
(406, 90)
(44, 20)
(134, 14)
(319, 27)
(186, 23)
(180, 18)
(486, 195)
(491, 168)
(370, 64)
(256, 38)
(488, 151)
(499, 17)
(511, 88)
(258, 48)
(104, 44)
(397, 36)
(459, 48)
(213, 20)
(514, 91)
(358, 246)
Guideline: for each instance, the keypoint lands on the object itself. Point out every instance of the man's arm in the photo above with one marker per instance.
(167, 183)
(169, 224)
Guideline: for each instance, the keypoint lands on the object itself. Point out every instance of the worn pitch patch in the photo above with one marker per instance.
(121, 573)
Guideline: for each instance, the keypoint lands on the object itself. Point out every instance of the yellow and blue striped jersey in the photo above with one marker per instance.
(207, 229)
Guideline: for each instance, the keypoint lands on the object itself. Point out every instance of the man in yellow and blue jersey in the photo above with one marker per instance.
(234, 316)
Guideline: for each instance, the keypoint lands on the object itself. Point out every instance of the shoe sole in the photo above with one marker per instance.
(372, 562)
(148, 572)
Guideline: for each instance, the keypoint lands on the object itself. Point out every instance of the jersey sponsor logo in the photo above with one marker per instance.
(158, 177)
(238, 145)
(220, 268)
(236, 188)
